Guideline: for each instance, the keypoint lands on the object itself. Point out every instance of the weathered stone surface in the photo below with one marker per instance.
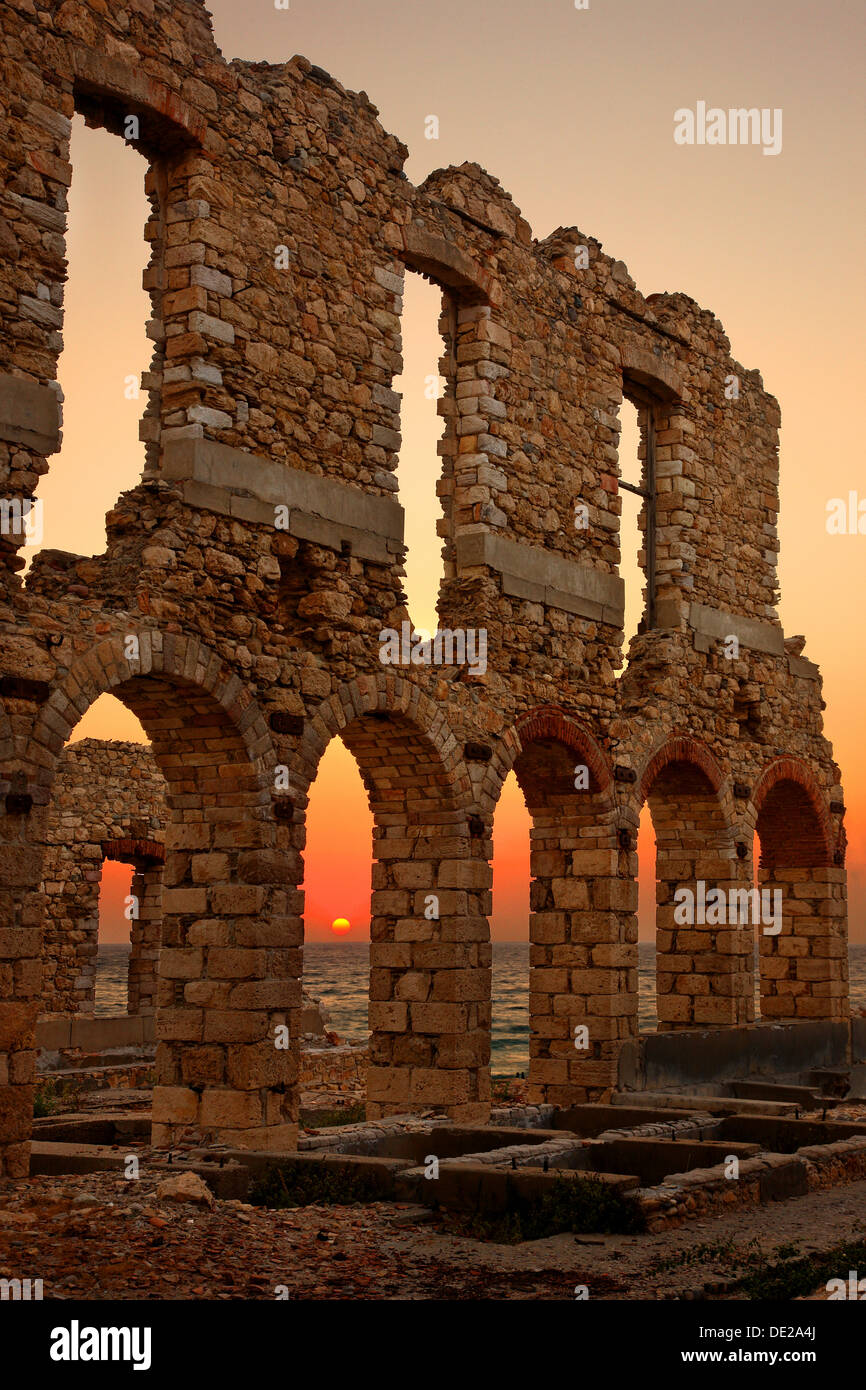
(186, 1187)
(108, 802)
(281, 229)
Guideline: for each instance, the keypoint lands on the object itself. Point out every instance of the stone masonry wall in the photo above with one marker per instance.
(239, 603)
(108, 803)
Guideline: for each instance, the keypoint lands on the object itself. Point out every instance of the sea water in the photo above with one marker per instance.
(338, 974)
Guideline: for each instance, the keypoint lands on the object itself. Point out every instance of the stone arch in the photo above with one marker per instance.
(655, 388)
(176, 656)
(229, 970)
(582, 928)
(789, 785)
(107, 803)
(703, 959)
(803, 958)
(547, 722)
(445, 263)
(385, 695)
(429, 974)
(680, 748)
(472, 485)
(99, 81)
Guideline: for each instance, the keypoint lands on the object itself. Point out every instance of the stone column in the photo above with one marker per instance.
(145, 939)
(583, 961)
(429, 974)
(703, 967)
(21, 907)
(804, 969)
(229, 981)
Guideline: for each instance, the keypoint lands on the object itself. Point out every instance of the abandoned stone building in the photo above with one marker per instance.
(238, 607)
(108, 802)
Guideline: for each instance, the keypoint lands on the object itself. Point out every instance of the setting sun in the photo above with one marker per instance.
(340, 926)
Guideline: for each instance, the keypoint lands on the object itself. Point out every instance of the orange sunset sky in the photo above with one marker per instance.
(573, 111)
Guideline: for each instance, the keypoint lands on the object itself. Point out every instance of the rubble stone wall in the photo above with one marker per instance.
(108, 802)
(238, 607)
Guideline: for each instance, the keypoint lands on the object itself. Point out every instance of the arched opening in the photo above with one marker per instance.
(632, 521)
(646, 914)
(229, 965)
(429, 1009)
(802, 936)
(427, 313)
(703, 957)
(116, 906)
(582, 927)
(106, 353)
(509, 1043)
(103, 862)
(335, 1012)
(107, 717)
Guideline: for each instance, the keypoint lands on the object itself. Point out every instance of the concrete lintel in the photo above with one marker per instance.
(807, 670)
(531, 572)
(210, 499)
(521, 588)
(574, 603)
(363, 544)
(94, 1034)
(238, 473)
(716, 624)
(29, 414)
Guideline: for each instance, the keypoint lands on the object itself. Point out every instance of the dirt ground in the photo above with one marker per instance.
(100, 1236)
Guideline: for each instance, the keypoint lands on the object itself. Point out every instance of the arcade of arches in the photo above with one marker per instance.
(248, 578)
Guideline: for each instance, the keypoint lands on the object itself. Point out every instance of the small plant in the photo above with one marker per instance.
(725, 1252)
(342, 1115)
(795, 1278)
(576, 1205)
(307, 1185)
(49, 1097)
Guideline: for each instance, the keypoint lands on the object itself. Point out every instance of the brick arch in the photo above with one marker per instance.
(182, 660)
(445, 263)
(547, 723)
(399, 700)
(229, 968)
(429, 1011)
(793, 770)
(804, 965)
(680, 749)
(704, 962)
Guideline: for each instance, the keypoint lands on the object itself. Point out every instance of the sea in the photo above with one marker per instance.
(337, 974)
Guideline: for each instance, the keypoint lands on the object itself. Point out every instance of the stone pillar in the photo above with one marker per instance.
(21, 907)
(429, 974)
(703, 967)
(804, 969)
(70, 936)
(145, 939)
(229, 980)
(583, 961)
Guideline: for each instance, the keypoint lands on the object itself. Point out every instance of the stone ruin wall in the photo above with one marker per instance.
(108, 802)
(257, 644)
